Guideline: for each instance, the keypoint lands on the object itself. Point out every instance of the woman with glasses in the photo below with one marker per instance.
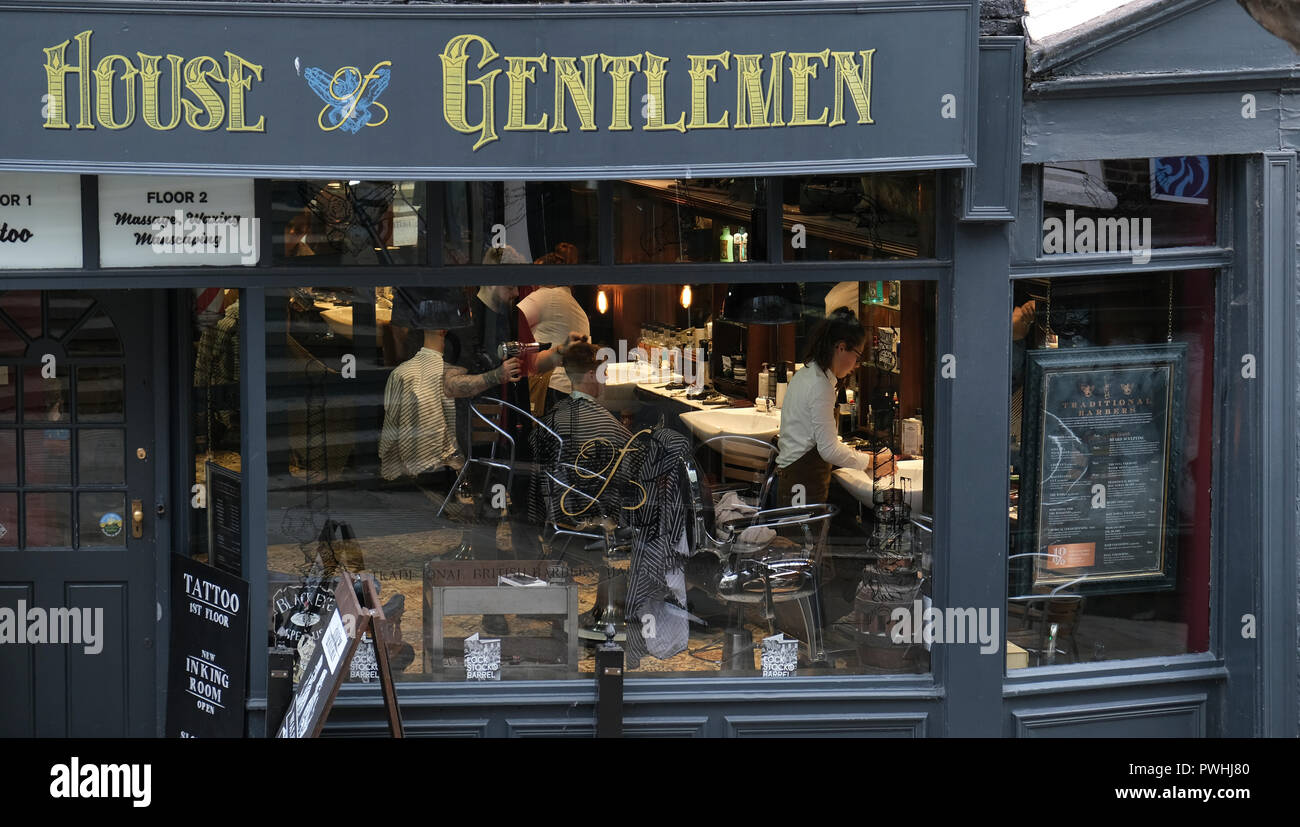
(809, 442)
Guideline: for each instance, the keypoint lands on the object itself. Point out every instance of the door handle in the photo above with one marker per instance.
(137, 519)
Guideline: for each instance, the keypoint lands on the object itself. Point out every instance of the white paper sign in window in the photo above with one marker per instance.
(147, 221)
(40, 221)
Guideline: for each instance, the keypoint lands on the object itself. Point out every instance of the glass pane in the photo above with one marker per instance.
(8, 520)
(8, 392)
(48, 456)
(704, 219)
(884, 215)
(102, 519)
(517, 222)
(24, 308)
(348, 222)
(97, 337)
(48, 520)
(8, 457)
(101, 457)
(65, 310)
(46, 400)
(11, 343)
(661, 377)
(1112, 405)
(215, 400)
(99, 394)
(1129, 206)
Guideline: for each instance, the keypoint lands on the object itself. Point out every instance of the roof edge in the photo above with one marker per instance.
(1091, 36)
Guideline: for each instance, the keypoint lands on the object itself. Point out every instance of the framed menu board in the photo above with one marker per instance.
(1102, 461)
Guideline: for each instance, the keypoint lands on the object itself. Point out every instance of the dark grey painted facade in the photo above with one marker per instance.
(1135, 89)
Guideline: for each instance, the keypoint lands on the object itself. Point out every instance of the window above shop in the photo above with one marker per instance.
(1131, 206)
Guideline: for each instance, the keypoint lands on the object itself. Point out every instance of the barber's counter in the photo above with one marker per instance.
(712, 416)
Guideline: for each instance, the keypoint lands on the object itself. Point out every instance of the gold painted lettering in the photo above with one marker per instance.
(149, 75)
(57, 70)
(454, 83)
(582, 91)
(857, 81)
(801, 68)
(753, 108)
(239, 83)
(608, 472)
(701, 71)
(621, 75)
(104, 92)
(654, 83)
(210, 103)
(519, 74)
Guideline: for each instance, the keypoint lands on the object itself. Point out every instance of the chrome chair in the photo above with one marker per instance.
(765, 576)
(481, 412)
(1048, 619)
(747, 464)
(600, 531)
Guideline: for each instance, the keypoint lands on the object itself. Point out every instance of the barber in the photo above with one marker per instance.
(477, 368)
(809, 441)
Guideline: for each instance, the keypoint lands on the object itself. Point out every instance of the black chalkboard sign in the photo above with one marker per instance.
(1103, 447)
(224, 547)
(327, 665)
(208, 665)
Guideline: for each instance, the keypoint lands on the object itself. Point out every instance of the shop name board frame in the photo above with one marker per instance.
(481, 92)
(1103, 456)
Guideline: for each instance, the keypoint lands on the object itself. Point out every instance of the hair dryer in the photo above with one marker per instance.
(510, 350)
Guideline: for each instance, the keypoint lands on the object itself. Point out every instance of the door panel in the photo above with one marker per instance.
(77, 441)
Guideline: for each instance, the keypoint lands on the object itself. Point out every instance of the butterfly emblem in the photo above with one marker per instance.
(351, 98)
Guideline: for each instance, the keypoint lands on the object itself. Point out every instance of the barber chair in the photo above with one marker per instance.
(761, 574)
(572, 512)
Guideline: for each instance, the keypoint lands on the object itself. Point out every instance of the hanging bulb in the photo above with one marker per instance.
(686, 296)
(602, 302)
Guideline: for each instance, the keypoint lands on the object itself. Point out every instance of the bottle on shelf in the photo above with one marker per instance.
(725, 252)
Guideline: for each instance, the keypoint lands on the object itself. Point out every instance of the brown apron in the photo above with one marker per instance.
(810, 471)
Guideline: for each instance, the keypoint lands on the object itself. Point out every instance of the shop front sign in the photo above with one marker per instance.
(40, 221)
(491, 91)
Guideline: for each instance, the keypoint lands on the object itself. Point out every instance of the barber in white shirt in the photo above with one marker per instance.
(809, 443)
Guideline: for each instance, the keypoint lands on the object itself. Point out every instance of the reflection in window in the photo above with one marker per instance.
(434, 472)
(348, 222)
(215, 394)
(1129, 206)
(517, 222)
(1112, 413)
(704, 219)
(886, 215)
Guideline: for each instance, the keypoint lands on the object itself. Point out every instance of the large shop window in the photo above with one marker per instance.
(1112, 412)
(716, 471)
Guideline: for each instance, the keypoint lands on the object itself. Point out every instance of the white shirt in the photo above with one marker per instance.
(808, 420)
(552, 314)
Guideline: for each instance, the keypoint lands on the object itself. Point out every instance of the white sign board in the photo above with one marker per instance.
(147, 221)
(482, 658)
(40, 221)
(780, 656)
